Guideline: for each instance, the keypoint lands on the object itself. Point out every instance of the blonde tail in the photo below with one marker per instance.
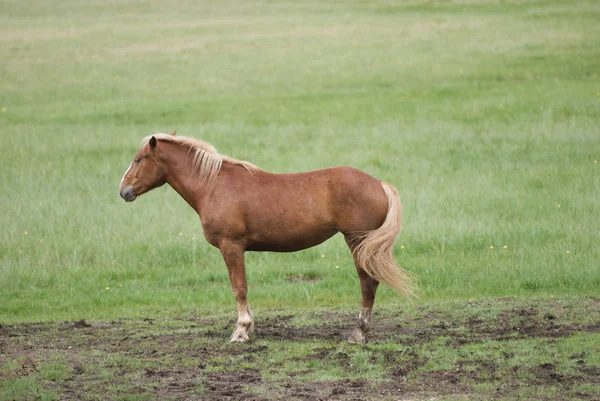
(374, 250)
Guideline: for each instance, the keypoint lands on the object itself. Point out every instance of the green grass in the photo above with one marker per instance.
(484, 114)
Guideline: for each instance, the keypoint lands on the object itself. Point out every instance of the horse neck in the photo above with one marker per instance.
(182, 177)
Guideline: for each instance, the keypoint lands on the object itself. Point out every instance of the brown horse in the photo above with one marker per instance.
(243, 208)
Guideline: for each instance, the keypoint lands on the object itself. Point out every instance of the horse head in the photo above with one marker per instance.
(147, 171)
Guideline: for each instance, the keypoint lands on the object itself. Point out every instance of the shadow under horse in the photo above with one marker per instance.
(243, 208)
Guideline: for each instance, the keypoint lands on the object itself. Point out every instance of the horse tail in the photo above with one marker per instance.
(374, 250)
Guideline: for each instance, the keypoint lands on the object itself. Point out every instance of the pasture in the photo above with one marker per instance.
(484, 114)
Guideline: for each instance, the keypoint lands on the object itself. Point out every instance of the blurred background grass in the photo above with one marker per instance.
(484, 114)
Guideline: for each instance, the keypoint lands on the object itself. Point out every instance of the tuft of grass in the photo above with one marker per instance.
(25, 388)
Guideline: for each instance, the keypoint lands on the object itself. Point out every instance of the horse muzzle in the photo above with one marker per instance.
(128, 194)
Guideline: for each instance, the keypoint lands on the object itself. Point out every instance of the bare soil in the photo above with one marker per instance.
(189, 357)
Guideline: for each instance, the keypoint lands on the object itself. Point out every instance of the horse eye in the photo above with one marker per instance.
(137, 161)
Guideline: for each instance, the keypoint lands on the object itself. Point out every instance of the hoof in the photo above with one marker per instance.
(239, 337)
(357, 337)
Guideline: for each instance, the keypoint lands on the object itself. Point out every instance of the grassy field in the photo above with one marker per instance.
(484, 114)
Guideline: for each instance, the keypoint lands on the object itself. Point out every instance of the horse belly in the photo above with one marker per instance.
(290, 240)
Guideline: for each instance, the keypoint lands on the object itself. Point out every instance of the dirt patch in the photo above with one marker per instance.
(422, 353)
(280, 328)
(307, 278)
(230, 385)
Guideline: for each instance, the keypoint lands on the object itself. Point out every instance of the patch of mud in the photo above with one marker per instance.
(25, 367)
(190, 358)
(306, 278)
(79, 324)
(231, 385)
(522, 323)
(280, 328)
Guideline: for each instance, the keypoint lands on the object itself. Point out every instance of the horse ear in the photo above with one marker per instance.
(174, 132)
(152, 142)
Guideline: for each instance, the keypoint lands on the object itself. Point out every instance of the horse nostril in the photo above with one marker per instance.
(127, 193)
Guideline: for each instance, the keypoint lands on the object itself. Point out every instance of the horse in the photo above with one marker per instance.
(244, 208)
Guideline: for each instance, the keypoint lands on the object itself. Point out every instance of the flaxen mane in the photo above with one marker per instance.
(207, 161)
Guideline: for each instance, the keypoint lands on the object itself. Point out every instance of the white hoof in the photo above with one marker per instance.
(239, 336)
(357, 337)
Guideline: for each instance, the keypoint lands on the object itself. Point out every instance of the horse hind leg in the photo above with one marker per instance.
(374, 259)
(368, 287)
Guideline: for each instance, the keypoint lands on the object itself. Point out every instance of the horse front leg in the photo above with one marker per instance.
(234, 259)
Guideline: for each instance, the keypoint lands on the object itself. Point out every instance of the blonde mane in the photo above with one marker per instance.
(206, 160)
